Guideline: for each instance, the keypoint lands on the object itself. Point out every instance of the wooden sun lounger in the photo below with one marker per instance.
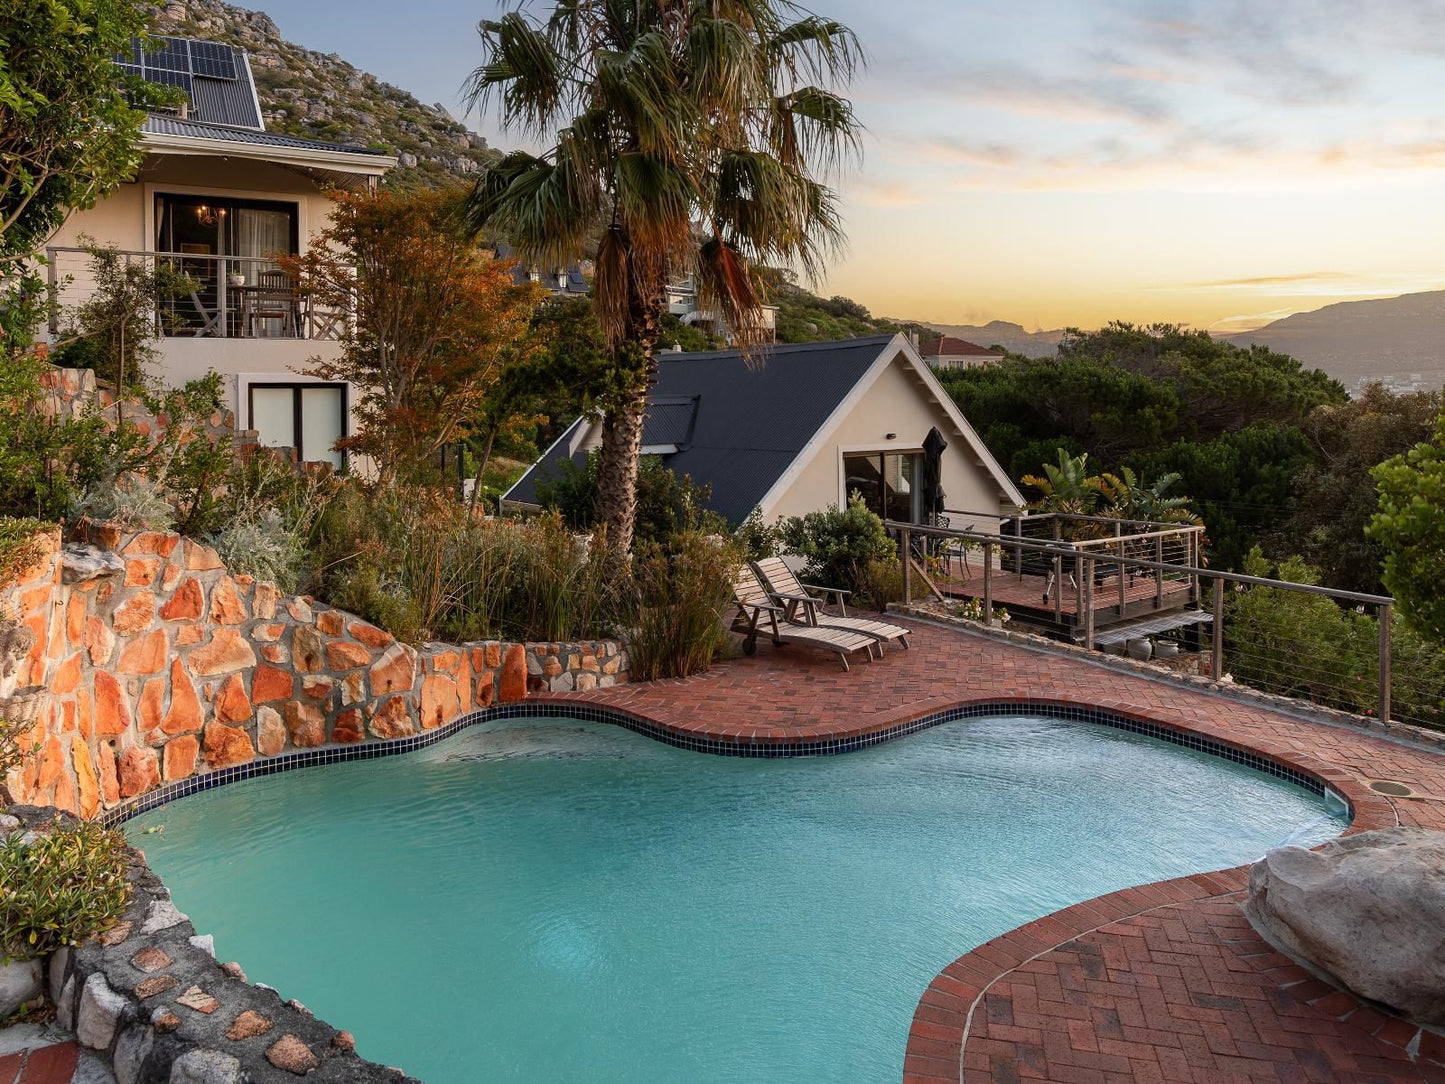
(757, 613)
(802, 606)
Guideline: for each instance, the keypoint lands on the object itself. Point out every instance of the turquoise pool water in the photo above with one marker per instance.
(552, 900)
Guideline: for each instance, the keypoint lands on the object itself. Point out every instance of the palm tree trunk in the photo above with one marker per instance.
(618, 464)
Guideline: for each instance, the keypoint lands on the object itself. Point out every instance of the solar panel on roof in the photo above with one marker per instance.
(129, 69)
(169, 54)
(211, 58)
(170, 79)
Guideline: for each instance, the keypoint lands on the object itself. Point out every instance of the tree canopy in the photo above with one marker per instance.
(1410, 525)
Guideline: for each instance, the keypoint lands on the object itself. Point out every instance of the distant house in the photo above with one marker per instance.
(567, 281)
(682, 302)
(217, 198)
(949, 352)
(800, 429)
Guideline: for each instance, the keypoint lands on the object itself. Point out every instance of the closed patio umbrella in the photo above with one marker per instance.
(931, 487)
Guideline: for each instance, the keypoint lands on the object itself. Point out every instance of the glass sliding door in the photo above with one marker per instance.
(307, 418)
(888, 482)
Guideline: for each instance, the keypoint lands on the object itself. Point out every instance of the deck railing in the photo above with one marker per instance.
(1363, 682)
(221, 297)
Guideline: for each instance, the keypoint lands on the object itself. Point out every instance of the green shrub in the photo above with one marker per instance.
(757, 539)
(667, 503)
(677, 606)
(839, 544)
(63, 886)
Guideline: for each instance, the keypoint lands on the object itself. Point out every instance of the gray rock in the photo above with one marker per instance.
(79, 563)
(1369, 909)
(59, 963)
(20, 980)
(162, 915)
(205, 1067)
(99, 1013)
(205, 942)
(131, 1052)
(65, 1004)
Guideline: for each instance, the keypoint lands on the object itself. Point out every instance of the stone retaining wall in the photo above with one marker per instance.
(161, 664)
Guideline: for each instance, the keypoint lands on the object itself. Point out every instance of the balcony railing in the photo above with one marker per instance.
(219, 297)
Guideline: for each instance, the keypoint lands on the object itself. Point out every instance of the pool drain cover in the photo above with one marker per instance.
(1390, 787)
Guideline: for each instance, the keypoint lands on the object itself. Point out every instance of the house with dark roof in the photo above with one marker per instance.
(798, 427)
(566, 281)
(217, 198)
(951, 352)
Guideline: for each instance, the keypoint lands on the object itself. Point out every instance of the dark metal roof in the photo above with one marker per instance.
(749, 422)
(160, 124)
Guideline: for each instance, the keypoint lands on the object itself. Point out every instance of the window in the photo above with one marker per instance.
(887, 480)
(309, 418)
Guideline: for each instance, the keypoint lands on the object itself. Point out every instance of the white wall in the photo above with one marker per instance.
(896, 403)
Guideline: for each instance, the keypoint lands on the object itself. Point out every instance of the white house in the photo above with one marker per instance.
(799, 428)
(217, 197)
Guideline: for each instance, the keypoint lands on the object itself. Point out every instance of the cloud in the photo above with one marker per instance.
(1264, 280)
(889, 194)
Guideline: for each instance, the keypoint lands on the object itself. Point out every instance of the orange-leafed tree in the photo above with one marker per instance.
(434, 322)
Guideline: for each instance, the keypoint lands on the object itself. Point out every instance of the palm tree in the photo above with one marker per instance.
(693, 136)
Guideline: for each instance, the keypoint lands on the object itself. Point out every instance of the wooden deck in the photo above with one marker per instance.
(1023, 594)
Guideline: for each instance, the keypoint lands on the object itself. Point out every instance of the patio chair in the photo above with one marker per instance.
(802, 606)
(753, 603)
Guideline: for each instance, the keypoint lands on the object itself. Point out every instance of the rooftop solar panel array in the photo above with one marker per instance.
(213, 76)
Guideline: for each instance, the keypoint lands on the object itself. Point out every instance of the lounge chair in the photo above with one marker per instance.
(802, 606)
(753, 604)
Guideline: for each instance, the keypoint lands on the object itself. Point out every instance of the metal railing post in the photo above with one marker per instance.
(223, 331)
(988, 584)
(1078, 589)
(907, 567)
(1019, 550)
(1217, 665)
(52, 296)
(1119, 549)
(1159, 574)
(1088, 573)
(1058, 578)
(1385, 613)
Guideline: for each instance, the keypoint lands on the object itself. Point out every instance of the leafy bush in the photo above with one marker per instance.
(757, 539)
(678, 601)
(136, 502)
(17, 745)
(839, 544)
(60, 887)
(667, 503)
(1410, 526)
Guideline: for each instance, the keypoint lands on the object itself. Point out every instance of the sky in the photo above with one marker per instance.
(1217, 163)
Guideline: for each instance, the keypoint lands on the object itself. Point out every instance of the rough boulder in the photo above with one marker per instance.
(1369, 909)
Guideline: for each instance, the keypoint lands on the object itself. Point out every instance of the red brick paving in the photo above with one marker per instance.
(1162, 982)
(53, 1064)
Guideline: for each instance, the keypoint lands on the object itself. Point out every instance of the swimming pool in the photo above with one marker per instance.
(566, 901)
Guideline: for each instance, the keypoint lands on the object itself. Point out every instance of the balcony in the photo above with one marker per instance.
(219, 297)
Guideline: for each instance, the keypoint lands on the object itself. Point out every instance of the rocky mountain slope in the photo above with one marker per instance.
(1012, 337)
(321, 96)
(1399, 341)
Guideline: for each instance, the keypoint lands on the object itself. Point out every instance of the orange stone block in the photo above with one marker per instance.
(135, 613)
(512, 681)
(139, 771)
(52, 763)
(75, 619)
(226, 651)
(305, 723)
(185, 713)
(394, 672)
(67, 676)
(446, 662)
(349, 727)
(227, 606)
(144, 656)
(232, 705)
(65, 797)
(180, 757)
(189, 634)
(370, 635)
(486, 689)
(84, 714)
(86, 778)
(109, 778)
(330, 622)
(494, 655)
(344, 655)
(148, 707)
(439, 701)
(142, 571)
(271, 683)
(227, 745)
(112, 710)
(270, 731)
(186, 603)
(156, 542)
(389, 718)
(99, 641)
(199, 558)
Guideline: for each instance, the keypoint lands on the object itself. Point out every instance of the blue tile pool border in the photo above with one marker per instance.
(593, 713)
